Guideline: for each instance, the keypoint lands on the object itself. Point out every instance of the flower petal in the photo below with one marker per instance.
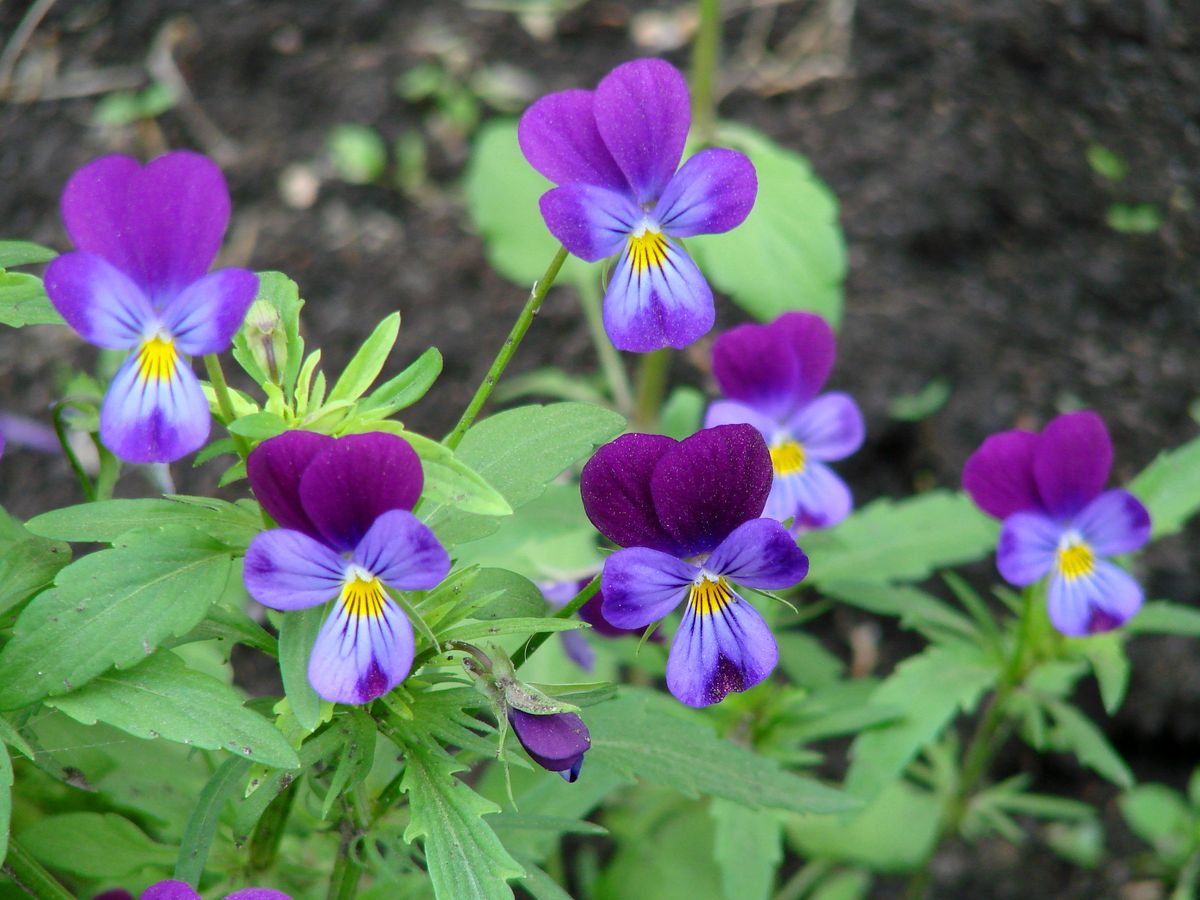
(712, 193)
(829, 428)
(578, 650)
(154, 410)
(287, 570)
(204, 316)
(1027, 548)
(360, 655)
(591, 222)
(1115, 522)
(351, 483)
(402, 552)
(755, 365)
(759, 554)
(1071, 462)
(170, 890)
(719, 650)
(258, 894)
(1101, 600)
(708, 485)
(274, 469)
(815, 497)
(643, 113)
(99, 301)
(999, 475)
(556, 742)
(657, 298)
(731, 412)
(813, 343)
(641, 586)
(558, 136)
(94, 210)
(615, 487)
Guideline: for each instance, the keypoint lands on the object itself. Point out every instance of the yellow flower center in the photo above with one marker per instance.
(647, 249)
(156, 359)
(787, 458)
(710, 595)
(363, 595)
(1075, 560)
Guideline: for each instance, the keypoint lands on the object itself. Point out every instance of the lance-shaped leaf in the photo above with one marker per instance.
(93, 845)
(235, 524)
(1170, 488)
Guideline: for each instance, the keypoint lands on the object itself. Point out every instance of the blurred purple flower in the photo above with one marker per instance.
(772, 375)
(1048, 489)
(347, 531)
(613, 153)
(181, 890)
(556, 742)
(559, 593)
(687, 513)
(147, 236)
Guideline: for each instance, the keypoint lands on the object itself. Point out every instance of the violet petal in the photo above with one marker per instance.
(999, 475)
(592, 222)
(1115, 522)
(712, 193)
(642, 586)
(556, 742)
(558, 136)
(401, 551)
(1027, 548)
(287, 570)
(274, 469)
(99, 301)
(759, 554)
(1071, 462)
(363, 650)
(755, 365)
(204, 316)
(155, 410)
(615, 487)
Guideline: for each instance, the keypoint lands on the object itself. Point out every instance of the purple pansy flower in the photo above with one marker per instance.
(347, 532)
(687, 513)
(147, 236)
(613, 153)
(772, 375)
(1048, 489)
(556, 742)
(181, 890)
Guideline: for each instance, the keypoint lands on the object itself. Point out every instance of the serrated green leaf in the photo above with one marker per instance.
(111, 609)
(451, 482)
(23, 253)
(28, 566)
(496, 594)
(930, 688)
(162, 698)
(364, 367)
(107, 520)
(297, 634)
(1170, 488)
(405, 389)
(202, 824)
(1074, 732)
(915, 608)
(355, 760)
(747, 849)
(790, 252)
(93, 845)
(23, 301)
(259, 426)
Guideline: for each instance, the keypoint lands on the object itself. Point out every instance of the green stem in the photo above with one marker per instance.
(60, 430)
(610, 359)
(500, 363)
(343, 883)
(264, 842)
(705, 52)
(651, 387)
(216, 377)
(530, 646)
(31, 876)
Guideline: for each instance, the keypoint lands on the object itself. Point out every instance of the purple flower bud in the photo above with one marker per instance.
(555, 742)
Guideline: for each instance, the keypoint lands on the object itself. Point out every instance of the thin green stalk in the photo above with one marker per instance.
(500, 363)
(651, 387)
(31, 876)
(530, 646)
(705, 53)
(216, 377)
(60, 430)
(610, 360)
(804, 880)
(343, 883)
(268, 833)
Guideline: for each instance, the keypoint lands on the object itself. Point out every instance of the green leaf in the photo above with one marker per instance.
(922, 404)
(405, 389)
(297, 634)
(1161, 818)
(355, 760)
(23, 253)
(111, 608)
(1105, 163)
(6, 783)
(128, 107)
(843, 886)
(1161, 617)
(1170, 489)
(364, 367)
(107, 520)
(683, 412)
(790, 252)
(28, 566)
(1106, 655)
(358, 152)
(473, 631)
(914, 607)
(1074, 732)
(931, 688)
(1133, 218)
(902, 540)
(202, 824)
(259, 426)
(641, 734)
(518, 452)
(451, 482)
(93, 845)
(747, 849)
(282, 293)
(23, 301)
(162, 698)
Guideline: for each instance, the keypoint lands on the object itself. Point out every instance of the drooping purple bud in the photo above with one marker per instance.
(555, 742)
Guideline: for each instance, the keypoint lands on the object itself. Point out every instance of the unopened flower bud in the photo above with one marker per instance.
(267, 339)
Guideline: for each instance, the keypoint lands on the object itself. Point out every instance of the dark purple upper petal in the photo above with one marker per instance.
(999, 475)
(712, 193)
(558, 136)
(754, 365)
(814, 346)
(643, 113)
(1071, 462)
(615, 486)
(708, 485)
(275, 467)
(94, 205)
(351, 483)
(556, 742)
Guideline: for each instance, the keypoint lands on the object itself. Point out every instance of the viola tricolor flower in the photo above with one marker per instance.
(146, 237)
(613, 153)
(556, 742)
(181, 890)
(772, 375)
(688, 513)
(347, 533)
(1048, 489)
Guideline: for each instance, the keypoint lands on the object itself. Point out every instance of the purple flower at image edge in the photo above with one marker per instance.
(181, 890)
(614, 154)
(688, 515)
(146, 237)
(556, 742)
(1059, 521)
(346, 532)
(772, 375)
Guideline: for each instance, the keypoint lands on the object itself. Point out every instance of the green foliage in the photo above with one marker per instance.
(921, 404)
(1133, 218)
(358, 152)
(682, 413)
(27, 567)
(1106, 163)
(282, 295)
(202, 825)
(23, 301)
(129, 107)
(6, 784)
(1163, 819)
(23, 253)
(297, 633)
(233, 524)
(1161, 617)
(1073, 732)
(1170, 488)
(93, 845)
(747, 848)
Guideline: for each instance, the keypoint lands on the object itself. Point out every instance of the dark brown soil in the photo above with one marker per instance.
(955, 135)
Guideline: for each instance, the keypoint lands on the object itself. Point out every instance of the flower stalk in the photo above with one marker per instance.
(216, 377)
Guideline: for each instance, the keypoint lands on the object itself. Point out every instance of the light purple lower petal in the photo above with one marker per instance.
(759, 554)
(829, 428)
(1115, 522)
(816, 497)
(731, 412)
(154, 411)
(719, 651)
(205, 316)
(591, 222)
(712, 192)
(403, 553)
(1027, 548)
(1100, 601)
(656, 301)
(286, 570)
(641, 586)
(99, 301)
(360, 656)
